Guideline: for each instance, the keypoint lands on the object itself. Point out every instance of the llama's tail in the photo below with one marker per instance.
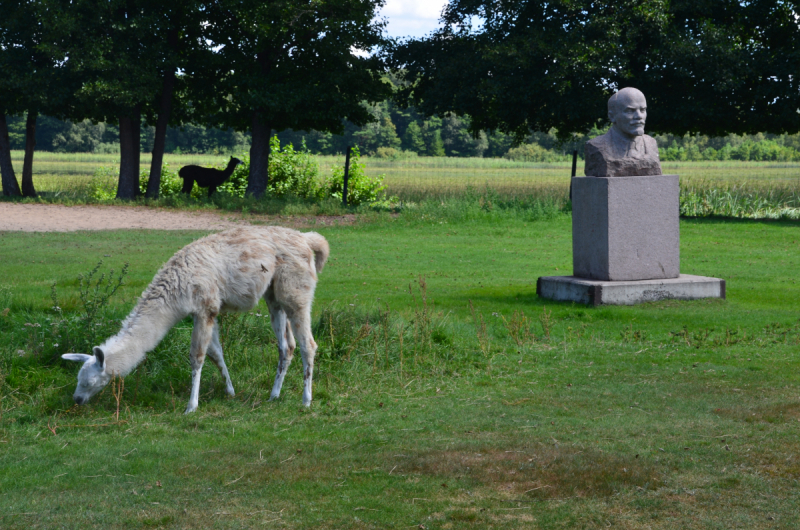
(320, 247)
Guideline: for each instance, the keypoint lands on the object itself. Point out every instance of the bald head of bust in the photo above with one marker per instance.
(627, 112)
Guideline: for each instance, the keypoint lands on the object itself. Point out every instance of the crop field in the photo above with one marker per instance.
(447, 394)
(421, 178)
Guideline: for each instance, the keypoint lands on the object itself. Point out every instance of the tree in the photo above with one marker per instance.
(184, 49)
(128, 53)
(705, 66)
(290, 64)
(412, 138)
(34, 78)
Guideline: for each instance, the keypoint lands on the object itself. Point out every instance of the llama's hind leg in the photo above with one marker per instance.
(215, 353)
(201, 338)
(301, 324)
(286, 345)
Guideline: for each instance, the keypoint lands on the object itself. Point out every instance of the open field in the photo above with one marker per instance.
(419, 178)
(428, 413)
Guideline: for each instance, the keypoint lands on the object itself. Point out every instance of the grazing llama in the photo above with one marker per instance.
(206, 177)
(228, 271)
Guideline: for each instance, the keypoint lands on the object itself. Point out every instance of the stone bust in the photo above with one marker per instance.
(624, 151)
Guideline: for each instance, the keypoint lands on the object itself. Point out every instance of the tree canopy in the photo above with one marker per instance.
(706, 66)
(288, 64)
(247, 64)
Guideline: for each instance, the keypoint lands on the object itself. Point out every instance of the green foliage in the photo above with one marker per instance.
(573, 55)
(291, 173)
(361, 189)
(80, 332)
(171, 184)
(103, 186)
(738, 202)
(533, 153)
(748, 150)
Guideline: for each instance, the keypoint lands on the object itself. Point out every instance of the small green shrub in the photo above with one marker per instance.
(103, 186)
(361, 188)
(81, 331)
(533, 153)
(170, 185)
(395, 154)
(291, 172)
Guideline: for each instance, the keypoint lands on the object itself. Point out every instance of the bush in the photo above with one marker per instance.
(171, 184)
(291, 172)
(361, 189)
(532, 153)
(394, 154)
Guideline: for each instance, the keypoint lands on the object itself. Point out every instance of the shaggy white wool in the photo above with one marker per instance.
(228, 271)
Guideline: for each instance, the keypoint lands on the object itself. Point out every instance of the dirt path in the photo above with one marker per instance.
(58, 218)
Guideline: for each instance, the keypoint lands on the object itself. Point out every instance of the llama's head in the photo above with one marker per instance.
(92, 376)
(235, 161)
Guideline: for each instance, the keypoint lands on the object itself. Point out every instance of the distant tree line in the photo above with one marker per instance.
(398, 133)
(192, 71)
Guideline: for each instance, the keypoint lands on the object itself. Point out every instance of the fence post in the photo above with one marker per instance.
(574, 169)
(346, 175)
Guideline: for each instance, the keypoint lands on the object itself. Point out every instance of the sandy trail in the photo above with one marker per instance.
(16, 217)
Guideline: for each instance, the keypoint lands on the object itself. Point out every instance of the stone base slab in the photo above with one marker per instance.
(598, 292)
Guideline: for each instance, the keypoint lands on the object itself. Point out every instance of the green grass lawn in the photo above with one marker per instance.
(517, 413)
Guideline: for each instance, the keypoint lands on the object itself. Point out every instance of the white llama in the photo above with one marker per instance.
(228, 271)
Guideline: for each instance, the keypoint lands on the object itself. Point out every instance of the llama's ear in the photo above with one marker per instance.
(80, 357)
(101, 357)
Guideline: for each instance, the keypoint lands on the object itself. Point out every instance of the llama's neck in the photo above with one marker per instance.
(144, 328)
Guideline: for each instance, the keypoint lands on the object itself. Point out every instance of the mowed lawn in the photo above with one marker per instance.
(664, 415)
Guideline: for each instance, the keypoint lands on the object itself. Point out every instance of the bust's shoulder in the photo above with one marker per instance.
(603, 139)
(649, 141)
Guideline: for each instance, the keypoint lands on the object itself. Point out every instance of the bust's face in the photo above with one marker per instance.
(630, 113)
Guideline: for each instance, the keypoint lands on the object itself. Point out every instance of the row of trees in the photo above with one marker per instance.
(63, 136)
(247, 65)
(416, 136)
(710, 67)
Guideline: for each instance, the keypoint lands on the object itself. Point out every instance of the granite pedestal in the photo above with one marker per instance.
(626, 245)
(625, 228)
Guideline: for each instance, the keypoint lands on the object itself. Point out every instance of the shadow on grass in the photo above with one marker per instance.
(720, 220)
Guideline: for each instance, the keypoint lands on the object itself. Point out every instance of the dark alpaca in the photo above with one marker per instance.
(206, 177)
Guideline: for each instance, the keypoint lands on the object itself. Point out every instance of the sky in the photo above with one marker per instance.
(412, 18)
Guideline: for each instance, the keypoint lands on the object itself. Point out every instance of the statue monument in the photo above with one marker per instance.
(625, 220)
(625, 150)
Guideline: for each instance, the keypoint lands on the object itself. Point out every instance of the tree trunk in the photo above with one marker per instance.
(154, 183)
(129, 150)
(9, 179)
(259, 159)
(30, 144)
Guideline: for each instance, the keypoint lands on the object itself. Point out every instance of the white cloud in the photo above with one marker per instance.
(412, 18)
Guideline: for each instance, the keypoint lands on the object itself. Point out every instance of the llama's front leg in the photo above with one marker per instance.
(188, 184)
(301, 324)
(201, 338)
(286, 345)
(215, 352)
